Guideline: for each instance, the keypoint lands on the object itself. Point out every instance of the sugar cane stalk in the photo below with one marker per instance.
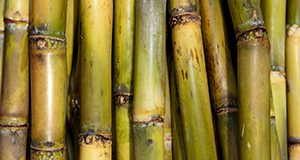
(149, 80)
(293, 77)
(222, 82)
(123, 75)
(253, 83)
(191, 80)
(95, 137)
(15, 90)
(48, 79)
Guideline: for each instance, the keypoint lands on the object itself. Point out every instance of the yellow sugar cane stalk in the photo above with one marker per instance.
(2, 7)
(123, 75)
(275, 18)
(293, 77)
(222, 82)
(95, 139)
(48, 79)
(253, 79)
(149, 80)
(15, 90)
(191, 80)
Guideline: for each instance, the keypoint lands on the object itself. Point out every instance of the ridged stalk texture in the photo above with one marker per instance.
(293, 77)
(149, 80)
(275, 18)
(253, 79)
(193, 94)
(48, 70)
(221, 76)
(95, 139)
(123, 75)
(15, 90)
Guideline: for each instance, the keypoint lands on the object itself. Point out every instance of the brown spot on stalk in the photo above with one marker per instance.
(182, 73)
(186, 75)
(150, 142)
(42, 44)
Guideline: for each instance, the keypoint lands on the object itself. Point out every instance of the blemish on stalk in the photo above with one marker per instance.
(149, 142)
(49, 144)
(122, 98)
(178, 51)
(243, 129)
(182, 73)
(248, 145)
(197, 58)
(186, 75)
(40, 57)
(42, 44)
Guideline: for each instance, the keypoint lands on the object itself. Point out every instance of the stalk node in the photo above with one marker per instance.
(258, 33)
(122, 98)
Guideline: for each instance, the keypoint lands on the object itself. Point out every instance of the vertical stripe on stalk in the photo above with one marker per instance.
(95, 24)
(149, 79)
(191, 80)
(48, 69)
(15, 90)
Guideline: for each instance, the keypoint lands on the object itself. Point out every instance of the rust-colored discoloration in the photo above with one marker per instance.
(186, 75)
(122, 98)
(91, 138)
(184, 18)
(155, 121)
(8, 20)
(182, 73)
(259, 34)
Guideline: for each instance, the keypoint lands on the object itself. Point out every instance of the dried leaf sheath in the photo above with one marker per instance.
(15, 90)
(48, 69)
